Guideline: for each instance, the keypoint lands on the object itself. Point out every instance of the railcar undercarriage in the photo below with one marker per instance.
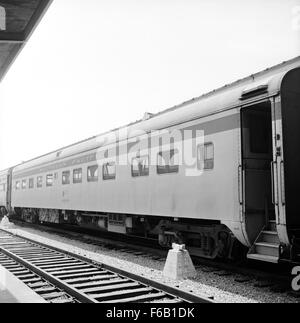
(207, 239)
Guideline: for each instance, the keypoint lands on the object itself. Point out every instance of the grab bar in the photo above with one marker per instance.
(240, 179)
(282, 184)
(273, 177)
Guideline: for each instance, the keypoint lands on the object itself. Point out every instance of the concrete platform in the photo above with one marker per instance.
(12, 290)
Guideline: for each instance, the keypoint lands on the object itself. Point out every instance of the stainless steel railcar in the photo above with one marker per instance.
(247, 191)
(5, 191)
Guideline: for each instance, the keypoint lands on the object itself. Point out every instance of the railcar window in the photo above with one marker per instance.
(259, 133)
(2, 187)
(66, 177)
(205, 158)
(18, 185)
(140, 166)
(31, 183)
(77, 176)
(24, 184)
(167, 162)
(109, 171)
(39, 181)
(49, 180)
(92, 173)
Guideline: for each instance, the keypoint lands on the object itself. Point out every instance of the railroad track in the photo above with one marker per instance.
(275, 278)
(127, 244)
(60, 276)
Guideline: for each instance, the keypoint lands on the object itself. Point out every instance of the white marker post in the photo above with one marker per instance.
(179, 264)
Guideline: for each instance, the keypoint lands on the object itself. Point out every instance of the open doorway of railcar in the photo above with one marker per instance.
(257, 156)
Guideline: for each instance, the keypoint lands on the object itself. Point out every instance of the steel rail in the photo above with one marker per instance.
(53, 280)
(145, 284)
(38, 284)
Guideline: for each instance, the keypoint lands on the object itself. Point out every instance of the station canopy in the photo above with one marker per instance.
(18, 19)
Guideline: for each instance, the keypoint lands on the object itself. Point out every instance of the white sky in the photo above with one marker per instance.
(93, 65)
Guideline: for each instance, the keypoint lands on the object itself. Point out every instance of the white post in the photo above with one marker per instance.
(179, 264)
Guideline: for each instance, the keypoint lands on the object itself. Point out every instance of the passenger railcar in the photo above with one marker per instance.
(245, 193)
(5, 191)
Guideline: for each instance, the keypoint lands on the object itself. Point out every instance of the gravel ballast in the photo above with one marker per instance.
(223, 288)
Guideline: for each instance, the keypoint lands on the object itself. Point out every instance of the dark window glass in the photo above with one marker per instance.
(77, 175)
(109, 171)
(92, 173)
(205, 158)
(31, 183)
(24, 184)
(167, 162)
(18, 185)
(39, 181)
(49, 180)
(140, 166)
(259, 133)
(66, 177)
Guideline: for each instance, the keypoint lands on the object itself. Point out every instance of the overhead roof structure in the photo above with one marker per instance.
(18, 19)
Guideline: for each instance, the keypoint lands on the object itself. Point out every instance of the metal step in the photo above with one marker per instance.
(272, 226)
(266, 248)
(267, 245)
(269, 236)
(264, 258)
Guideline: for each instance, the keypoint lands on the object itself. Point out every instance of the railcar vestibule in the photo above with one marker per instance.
(257, 154)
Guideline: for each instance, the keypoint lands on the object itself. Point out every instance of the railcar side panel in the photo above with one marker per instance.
(210, 195)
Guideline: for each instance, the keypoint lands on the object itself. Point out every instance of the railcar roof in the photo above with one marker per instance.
(18, 20)
(226, 96)
(4, 172)
(271, 70)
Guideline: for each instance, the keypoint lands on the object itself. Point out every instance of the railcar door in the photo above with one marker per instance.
(287, 158)
(257, 157)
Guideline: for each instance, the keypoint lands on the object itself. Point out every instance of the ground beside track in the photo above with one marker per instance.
(222, 287)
